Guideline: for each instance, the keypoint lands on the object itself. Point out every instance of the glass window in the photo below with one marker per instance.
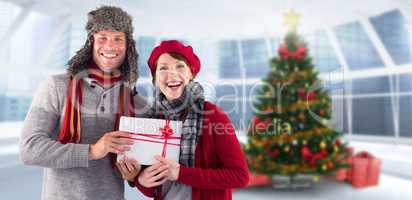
(322, 52)
(274, 46)
(145, 90)
(232, 91)
(255, 57)
(371, 85)
(405, 116)
(339, 120)
(392, 30)
(236, 113)
(229, 59)
(145, 46)
(357, 48)
(405, 82)
(372, 116)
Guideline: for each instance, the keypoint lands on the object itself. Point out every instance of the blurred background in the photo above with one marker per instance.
(362, 50)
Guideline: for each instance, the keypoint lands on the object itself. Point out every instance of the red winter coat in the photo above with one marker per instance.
(219, 161)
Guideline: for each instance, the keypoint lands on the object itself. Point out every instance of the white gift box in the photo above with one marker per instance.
(150, 139)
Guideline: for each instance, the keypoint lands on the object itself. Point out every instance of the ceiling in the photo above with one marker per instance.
(222, 18)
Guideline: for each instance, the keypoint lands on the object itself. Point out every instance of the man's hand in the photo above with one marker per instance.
(112, 142)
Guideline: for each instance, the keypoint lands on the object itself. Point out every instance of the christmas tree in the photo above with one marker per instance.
(289, 134)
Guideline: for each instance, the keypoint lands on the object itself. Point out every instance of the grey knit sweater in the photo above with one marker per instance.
(68, 174)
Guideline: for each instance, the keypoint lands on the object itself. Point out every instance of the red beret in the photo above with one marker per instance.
(174, 46)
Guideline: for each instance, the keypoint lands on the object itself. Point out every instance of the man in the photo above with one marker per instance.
(70, 129)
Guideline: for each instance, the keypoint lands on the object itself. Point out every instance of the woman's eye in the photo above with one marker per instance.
(162, 68)
(180, 66)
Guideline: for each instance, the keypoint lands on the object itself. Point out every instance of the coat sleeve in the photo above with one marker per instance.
(37, 146)
(149, 192)
(233, 172)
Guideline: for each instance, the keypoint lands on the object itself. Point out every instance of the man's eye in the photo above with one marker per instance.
(180, 66)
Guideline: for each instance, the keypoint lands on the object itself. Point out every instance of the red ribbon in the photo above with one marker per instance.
(166, 135)
(312, 158)
(298, 54)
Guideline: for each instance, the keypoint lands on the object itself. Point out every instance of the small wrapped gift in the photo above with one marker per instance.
(342, 174)
(256, 179)
(152, 137)
(365, 170)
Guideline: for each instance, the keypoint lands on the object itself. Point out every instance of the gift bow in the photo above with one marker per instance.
(166, 135)
(298, 54)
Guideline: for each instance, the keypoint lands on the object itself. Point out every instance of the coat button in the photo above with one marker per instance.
(102, 109)
(104, 96)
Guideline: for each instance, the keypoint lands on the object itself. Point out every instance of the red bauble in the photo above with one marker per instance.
(275, 153)
(301, 92)
(323, 153)
(330, 164)
(259, 125)
(311, 95)
(266, 143)
(338, 142)
(306, 154)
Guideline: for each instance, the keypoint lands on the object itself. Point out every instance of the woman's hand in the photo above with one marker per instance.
(129, 168)
(154, 175)
(173, 168)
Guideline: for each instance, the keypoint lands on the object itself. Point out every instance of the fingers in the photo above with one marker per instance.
(157, 183)
(157, 168)
(129, 165)
(120, 134)
(153, 184)
(160, 158)
(122, 141)
(118, 149)
(158, 176)
(153, 167)
(149, 180)
(135, 163)
(123, 170)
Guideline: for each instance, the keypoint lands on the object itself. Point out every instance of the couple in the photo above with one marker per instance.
(71, 127)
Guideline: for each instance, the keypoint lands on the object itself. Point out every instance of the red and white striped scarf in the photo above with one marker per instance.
(70, 130)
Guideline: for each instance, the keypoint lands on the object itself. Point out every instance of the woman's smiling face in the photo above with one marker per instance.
(172, 75)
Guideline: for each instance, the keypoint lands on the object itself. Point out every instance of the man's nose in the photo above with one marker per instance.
(110, 43)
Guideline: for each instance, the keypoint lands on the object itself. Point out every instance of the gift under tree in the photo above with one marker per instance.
(290, 133)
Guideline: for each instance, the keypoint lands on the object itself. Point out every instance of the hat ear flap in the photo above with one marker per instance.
(132, 60)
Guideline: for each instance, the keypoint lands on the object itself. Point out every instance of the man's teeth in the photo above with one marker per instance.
(109, 55)
(173, 84)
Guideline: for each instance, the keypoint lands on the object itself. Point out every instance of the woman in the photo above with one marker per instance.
(211, 161)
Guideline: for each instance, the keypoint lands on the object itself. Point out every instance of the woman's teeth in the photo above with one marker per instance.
(173, 84)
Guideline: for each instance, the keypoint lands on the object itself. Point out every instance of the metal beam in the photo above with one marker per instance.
(367, 73)
(389, 63)
(348, 88)
(377, 42)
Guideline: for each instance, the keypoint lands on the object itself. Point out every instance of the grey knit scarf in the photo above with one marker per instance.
(187, 108)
